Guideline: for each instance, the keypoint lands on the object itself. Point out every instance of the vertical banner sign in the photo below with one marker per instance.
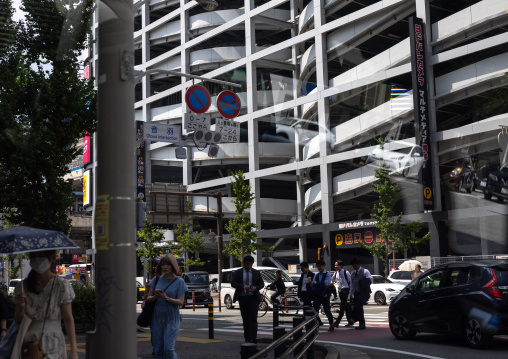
(87, 188)
(140, 163)
(87, 149)
(421, 105)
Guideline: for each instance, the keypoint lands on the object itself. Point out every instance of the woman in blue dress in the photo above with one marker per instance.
(168, 290)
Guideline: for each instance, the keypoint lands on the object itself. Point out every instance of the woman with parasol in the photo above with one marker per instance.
(42, 300)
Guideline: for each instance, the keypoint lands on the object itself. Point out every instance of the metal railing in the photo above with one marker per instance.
(302, 342)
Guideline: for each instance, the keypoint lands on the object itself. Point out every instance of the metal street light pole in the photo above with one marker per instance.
(115, 334)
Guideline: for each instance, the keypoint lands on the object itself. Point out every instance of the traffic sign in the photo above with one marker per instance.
(230, 130)
(194, 122)
(198, 99)
(228, 104)
(162, 133)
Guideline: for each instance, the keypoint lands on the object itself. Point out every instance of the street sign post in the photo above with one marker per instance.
(230, 130)
(196, 122)
(228, 104)
(162, 133)
(198, 99)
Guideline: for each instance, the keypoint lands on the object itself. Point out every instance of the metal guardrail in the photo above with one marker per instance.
(308, 320)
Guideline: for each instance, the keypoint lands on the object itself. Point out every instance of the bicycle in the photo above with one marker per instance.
(289, 304)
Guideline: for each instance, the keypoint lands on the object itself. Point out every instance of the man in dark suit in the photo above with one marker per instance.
(247, 282)
(305, 284)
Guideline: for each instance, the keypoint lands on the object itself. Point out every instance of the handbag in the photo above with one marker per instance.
(33, 350)
(145, 318)
(351, 312)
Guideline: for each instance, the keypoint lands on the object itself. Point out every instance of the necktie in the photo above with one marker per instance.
(247, 281)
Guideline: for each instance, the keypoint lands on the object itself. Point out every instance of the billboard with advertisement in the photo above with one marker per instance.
(87, 188)
(87, 150)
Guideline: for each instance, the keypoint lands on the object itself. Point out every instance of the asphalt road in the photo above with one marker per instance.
(376, 341)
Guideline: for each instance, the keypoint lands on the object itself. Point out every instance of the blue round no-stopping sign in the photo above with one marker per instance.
(228, 104)
(198, 99)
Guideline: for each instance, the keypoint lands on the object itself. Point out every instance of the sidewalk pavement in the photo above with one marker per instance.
(196, 345)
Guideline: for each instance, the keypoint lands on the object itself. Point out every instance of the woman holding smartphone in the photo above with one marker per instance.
(168, 290)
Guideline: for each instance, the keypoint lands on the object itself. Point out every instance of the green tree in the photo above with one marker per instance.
(45, 109)
(396, 236)
(243, 238)
(189, 241)
(151, 236)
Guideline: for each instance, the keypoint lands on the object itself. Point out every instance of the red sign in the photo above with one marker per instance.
(87, 150)
(228, 104)
(86, 72)
(368, 237)
(75, 258)
(198, 99)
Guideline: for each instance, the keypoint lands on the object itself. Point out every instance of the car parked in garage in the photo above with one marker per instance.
(468, 299)
(497, 184)
(462, 175)
(199, 284)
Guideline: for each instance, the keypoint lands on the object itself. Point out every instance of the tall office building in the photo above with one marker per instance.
(322, 81)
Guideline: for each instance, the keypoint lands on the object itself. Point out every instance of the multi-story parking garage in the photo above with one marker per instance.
(321, 81)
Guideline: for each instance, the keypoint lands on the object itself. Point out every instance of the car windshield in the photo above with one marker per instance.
(196, 278)
(269, 276)
(381, 280)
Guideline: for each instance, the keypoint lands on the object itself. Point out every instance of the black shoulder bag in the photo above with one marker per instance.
(145, 318)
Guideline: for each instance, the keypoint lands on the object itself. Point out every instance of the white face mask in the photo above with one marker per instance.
(40, 264)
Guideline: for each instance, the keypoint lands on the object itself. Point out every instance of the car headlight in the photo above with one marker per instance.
(457, 171)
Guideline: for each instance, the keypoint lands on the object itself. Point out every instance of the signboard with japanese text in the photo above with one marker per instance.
(140, 163)
(194, 122)
(352, 238)
(230, 130)
(162, 132)
(421, 105)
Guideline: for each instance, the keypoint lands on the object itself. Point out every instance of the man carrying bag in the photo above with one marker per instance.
(362, 280)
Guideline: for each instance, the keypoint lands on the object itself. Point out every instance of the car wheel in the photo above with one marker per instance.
(380, 298)
(399, 326)
(475, 335)
(500, 199)
(228, 302)
(405, 172)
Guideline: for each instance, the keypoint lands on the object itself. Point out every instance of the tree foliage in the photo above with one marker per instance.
(45, 109)
(243, 238)
(396, 236)
(151, 236)
(189, 241)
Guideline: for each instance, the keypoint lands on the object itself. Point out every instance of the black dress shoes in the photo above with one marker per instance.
(361, 327)
(349, 325)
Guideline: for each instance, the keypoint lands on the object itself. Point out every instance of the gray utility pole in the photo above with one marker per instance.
(115, 333)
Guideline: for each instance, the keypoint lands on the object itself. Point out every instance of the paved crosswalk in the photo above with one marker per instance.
(371, 321)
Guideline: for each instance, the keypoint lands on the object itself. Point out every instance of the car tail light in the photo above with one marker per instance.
(491, 287)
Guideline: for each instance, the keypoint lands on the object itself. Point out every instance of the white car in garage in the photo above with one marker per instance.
(383, 290)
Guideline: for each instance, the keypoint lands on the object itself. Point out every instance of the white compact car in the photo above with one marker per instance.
(400, 276)
(383, 290)
(406, 161)
(267, 273)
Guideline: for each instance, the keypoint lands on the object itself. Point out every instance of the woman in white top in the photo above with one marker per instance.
(43, 299)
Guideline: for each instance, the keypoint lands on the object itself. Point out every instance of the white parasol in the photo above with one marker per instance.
(409, 265)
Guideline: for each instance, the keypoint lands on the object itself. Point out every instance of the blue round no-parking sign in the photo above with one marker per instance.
(228, 104)
(198, 99)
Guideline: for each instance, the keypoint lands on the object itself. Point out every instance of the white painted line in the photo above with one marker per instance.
(382, 349)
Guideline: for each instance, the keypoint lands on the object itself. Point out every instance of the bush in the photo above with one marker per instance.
(83, 306)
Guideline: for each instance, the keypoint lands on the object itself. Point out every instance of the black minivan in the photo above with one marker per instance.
(469, 299)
